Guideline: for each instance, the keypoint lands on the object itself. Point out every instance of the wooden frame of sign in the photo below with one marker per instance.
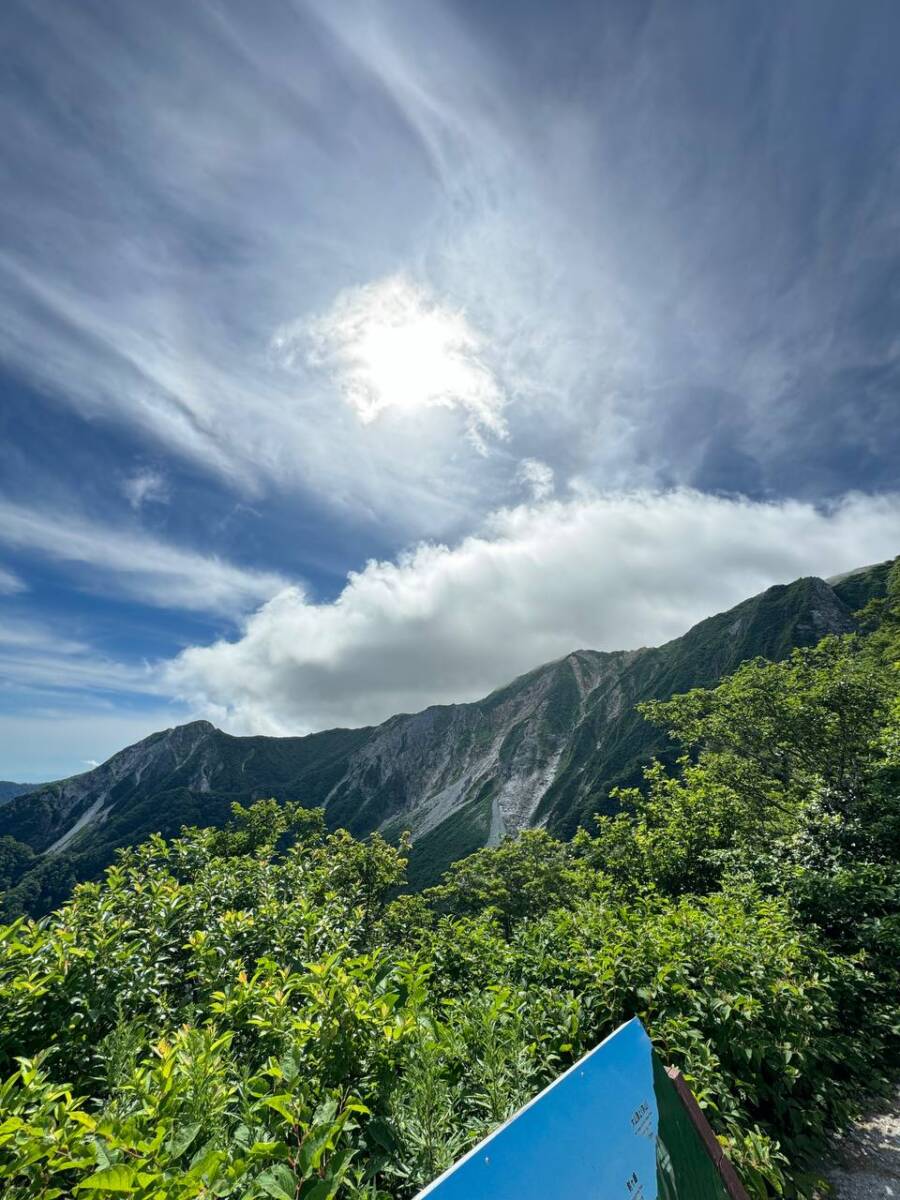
(714, 1149)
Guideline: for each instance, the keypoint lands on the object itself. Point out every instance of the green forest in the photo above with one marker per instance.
(266, 1011)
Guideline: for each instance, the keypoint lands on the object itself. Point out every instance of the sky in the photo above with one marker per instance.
(356, 357)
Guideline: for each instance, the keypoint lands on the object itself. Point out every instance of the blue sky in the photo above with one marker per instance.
(356, 357)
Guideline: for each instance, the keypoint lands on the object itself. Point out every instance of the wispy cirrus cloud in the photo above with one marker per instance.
(645, 247)
(23, 634)
(127, 561)
(44, 669)
(11, 583)
(62, 695)
(642, 302)
(146, 486)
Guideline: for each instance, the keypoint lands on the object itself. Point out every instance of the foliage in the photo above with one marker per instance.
(520, 878)
(15, 859)
(261, 1011)
(804, 725)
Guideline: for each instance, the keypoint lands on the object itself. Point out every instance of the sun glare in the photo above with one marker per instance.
(391, 345)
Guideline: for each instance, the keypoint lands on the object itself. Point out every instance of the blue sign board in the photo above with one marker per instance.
(611, 1128)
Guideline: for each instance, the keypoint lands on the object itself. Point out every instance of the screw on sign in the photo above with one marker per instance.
(616, 1126)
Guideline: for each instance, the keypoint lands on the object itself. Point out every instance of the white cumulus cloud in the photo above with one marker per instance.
(440, 624)
(537, 477)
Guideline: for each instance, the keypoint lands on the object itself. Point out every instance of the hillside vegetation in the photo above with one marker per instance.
(261, 1012)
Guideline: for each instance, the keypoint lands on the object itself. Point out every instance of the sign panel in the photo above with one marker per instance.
(613, 1127)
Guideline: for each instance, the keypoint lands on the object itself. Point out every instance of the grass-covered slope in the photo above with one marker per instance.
(143, 787)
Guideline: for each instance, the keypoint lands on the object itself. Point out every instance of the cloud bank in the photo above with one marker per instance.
(444, 624)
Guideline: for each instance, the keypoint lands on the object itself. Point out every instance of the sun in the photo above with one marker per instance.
(391, 345)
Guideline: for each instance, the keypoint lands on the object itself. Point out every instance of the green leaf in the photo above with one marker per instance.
(180, 1141)
(380, 1132)
(119, 1178)
(326, 1111)
(100, 1153)
(281, 1104)
(326, 1188)
(205, 1162)
(278, 1182)
(289, 1067)
(83, 1118)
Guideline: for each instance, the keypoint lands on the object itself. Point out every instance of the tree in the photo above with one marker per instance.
(785, 731)
(522, 877)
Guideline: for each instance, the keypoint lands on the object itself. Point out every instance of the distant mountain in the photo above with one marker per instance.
(9, 791)
(543, 751)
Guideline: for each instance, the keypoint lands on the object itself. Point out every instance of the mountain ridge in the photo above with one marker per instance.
(10, 790)
(544, 749)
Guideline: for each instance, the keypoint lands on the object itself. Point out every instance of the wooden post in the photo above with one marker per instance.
(729, 1177)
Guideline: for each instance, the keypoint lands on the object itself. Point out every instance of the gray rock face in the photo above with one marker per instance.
(84, 799)
(507, 749)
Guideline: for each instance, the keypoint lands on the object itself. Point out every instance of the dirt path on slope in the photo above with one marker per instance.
(867, 1159)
